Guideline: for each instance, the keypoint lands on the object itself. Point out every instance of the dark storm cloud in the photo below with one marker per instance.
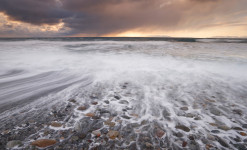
(34, 11)
(101, 17)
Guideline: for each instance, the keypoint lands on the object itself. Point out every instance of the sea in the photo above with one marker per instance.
(172, 83)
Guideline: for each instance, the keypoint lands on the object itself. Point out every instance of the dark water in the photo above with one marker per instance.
(170, 39)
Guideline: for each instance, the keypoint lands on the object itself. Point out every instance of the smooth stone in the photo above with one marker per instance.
(56, 124)
(43, 143)
(178, 134)
(222, 142)
(148, 145)
(82, 135)
(104, 130)
(95, 117)
(90, 114)
(242, 133)
(215, 131)
(184, 108)
(125, 117)
(94, 103)
(190, 115)
(107, 102)
(237, 128)
(197, 118)
(223, 127)
(13, 143)
(244, 125)
(117, 97)
(191, 137)
(160, 133)
(109, 123)
(72, 100)
(211, 137)
(166, 113)
(184, 144)
(75, 138)
(112, 134)
(215, 111)
(123, 102)
(96, 133)
(237, 111)
(82, 108)
(182, 127)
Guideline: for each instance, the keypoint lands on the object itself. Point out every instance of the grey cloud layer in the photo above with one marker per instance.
(101, 17)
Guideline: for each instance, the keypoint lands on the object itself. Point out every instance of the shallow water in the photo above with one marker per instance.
(155, 81)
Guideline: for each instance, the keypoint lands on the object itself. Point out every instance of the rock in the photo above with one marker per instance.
(184, 108)
(56, 124)
(109, 123)
(208, 146)
(125, 117)
(123, 102)
(95, 117)
(117, 97)
(166, 113)
(191, 137)
(237, 111)
(104, 130)
(14, 143)
(82, 108)
(211, 137)
(215, 131)
(74, 138)
(244, 125)
(184, 144)
(242, 133)
(223, 127)
(197, 118)
(178, 134)
(72, 100)
(213, 124)
(104, 111)
(182, 127)
(159, 133)
(215, 111)
(222, 142)
(148, 145)
(43, 143)
(107, 102)
(237, 128)
(190, 115)
(240, 146)
(94, 103)
(134, 115)
(96, 133)
(82, 135)
(112, 134)
(90, 114)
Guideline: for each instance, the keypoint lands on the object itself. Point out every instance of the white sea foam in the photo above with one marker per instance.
(159, 75)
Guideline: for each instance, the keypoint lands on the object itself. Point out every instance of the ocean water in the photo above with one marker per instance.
(155, 79)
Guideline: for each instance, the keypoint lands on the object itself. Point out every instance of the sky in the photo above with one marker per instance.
(123, 18)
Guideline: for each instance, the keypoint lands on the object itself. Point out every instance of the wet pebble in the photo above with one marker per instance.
(107, 102)
(182, 127)
(14, 143)
(44, 143)
(184, 108)
(82, 108)
(112, 134)
(123, 102)
(215, 131)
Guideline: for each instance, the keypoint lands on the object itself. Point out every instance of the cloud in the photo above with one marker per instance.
(104, 17)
